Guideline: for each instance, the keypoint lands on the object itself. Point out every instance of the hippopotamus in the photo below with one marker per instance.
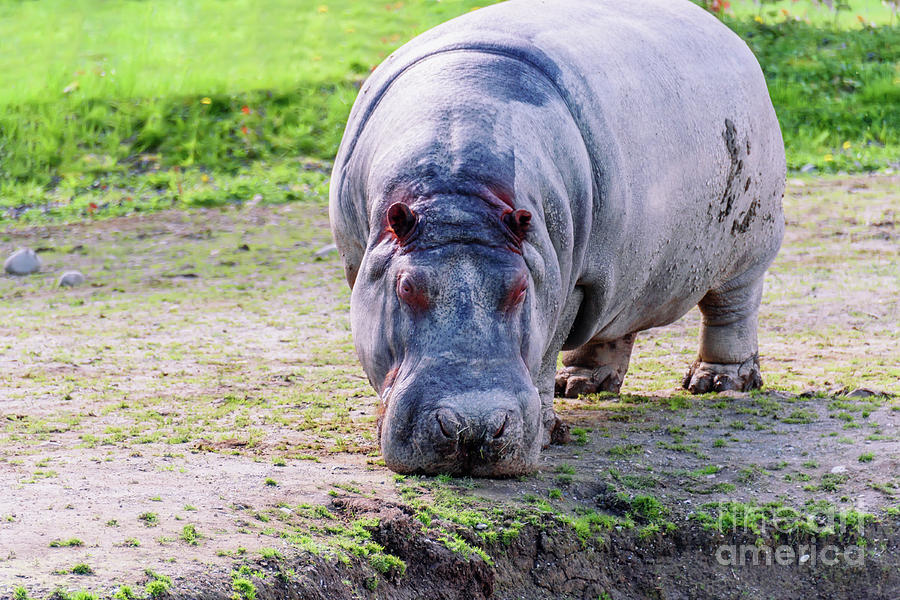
(544, 176)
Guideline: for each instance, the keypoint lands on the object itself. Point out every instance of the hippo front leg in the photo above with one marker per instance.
(729, 354)
(555, 431)
(597, 366)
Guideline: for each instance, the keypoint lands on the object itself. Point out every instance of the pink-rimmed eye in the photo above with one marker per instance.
(520, 297)
(410, 293)
(516, 296)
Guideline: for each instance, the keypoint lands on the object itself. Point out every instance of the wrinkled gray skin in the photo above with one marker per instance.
(641, 139)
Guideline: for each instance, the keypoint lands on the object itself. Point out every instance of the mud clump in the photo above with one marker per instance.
(433, 571)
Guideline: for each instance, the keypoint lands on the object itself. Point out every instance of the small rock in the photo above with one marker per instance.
(808, 168)
(481, 526)
(804, 558)
(71, 279)
(839, 469)
(324, 251)
(22, 262)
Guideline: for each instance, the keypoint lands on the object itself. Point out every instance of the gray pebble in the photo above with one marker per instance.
(22, 262)
(323, 252)
(71, 279)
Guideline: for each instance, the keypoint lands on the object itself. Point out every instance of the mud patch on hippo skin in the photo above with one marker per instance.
(742, 225)
(732, 182)
(735, 184)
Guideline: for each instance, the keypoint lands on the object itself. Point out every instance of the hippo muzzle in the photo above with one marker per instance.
(489, 428)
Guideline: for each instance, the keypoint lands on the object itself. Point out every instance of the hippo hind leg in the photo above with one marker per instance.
(594, 367)
(729, 354)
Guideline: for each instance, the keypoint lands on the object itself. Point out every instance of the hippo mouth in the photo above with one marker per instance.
(497, 440)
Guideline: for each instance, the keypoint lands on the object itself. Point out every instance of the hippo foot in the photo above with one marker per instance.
(572, 382)
(705, 377)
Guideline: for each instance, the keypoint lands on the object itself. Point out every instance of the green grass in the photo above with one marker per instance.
(836, 91)
(66, 543)
(82, 569)
(204, 48)
(124, 593)
(211, 83)
(117, 93)
(844, 14)
(158, 586)
(190, 535)
(149, 519)
(774, 518)
(243, 588)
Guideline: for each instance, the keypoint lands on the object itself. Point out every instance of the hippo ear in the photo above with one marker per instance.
(401, 219)
(518, 223)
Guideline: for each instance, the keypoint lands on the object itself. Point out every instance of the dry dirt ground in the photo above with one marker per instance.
(193, 423)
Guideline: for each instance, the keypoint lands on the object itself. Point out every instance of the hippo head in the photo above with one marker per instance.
(443, 323)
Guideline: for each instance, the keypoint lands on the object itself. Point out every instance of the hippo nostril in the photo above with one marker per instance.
(448, 424)
(502, 427)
